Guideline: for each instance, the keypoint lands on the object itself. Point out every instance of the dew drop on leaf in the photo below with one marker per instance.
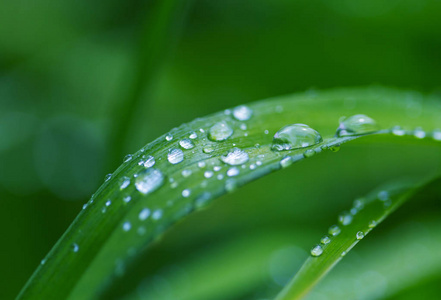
(75, 247)
(186, 193)
(359, 235)
(128, 158)
(334, 230)
(325, 240)
(419, 133)
(157, 214)
(220, 131)
(232, 172)
(107, 178)
(168, 137)
(317, 250)
(398, 131)
(186, 144)
(175, 156)
(208, 174)
(124, 182)
(242, 113)
(127, 226)
(149, 180)
(286, 162)
(193, 135)
(436, 135)
(355, 125)
(345, 218)
(295, 136)
(149, 161)
(144, 214)
(235, 157)
(309, 153)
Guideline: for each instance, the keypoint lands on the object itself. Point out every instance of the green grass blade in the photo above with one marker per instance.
(113, 229)
(353, 225)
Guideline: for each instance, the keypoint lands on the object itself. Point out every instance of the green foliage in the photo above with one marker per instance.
(112, 231)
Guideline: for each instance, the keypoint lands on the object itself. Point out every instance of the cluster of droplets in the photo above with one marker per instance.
(417, 132)
(344, 219)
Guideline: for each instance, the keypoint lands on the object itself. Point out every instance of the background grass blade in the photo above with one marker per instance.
(353, 225)
(113, 228)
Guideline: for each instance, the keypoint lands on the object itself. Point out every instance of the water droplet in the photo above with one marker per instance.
(372, 224)
(208, 149)
(286, 161)
(317, 250)
(186, 193)
(43, 261)
(294, 137)
(147, 162)
(201, 164)
(157, 214)
(334, 230)
(233, 172)
(398, 131)
(220, 176)
(343, 253)
(359, 204)
(75, 247)
(175, 156)
(127, 199)
(220, 131)
(419, 133)
(108, 202)
(193, 135)
(168, 137)
(334, 148)
(383, 195)
(355, 125)
(235, 156)
(436, 135)
(230, 185)
(325, 240)
(202, 200)
(85, 206)
(124, 182)
(359, 235)
(128, 157)
(345, 218)
(217, 168)
(243, 126)
(208, 174)
(144, 214)
(242, 113)
(186, 173)
(309, 153)
(149, 180)
(107, 178)
(186, 144)
(127, 226)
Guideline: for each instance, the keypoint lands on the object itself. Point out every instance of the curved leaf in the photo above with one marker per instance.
(113, 229)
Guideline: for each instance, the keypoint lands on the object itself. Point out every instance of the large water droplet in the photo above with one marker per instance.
(355, 125)
(295, 136)
(242, 113)
(186, 144)
(149, 180)
(175, 156)
(317, 250)
(235, 157)
(220, 131)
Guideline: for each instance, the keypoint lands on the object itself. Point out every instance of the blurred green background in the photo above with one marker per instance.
(84, 82)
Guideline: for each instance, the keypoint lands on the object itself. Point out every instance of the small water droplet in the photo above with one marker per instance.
(334, 148)
(128, 158)
(309, 153)
(343, 253)
(372, 224)
(186, 144)
(175, 156)
(286, 162)
(220, 131)
(334, 230)
(124, 182)
(325, 240)
(127, 226)
(317, 250)
(295, 136)
(217, 168)
(43, 261)
(383, 195)
(108, 202)
(149, 180)
(186, 173)
(230, 185)
(147, 162)
(253, 166)
(107, 178)
(398, 131)
(193, 135)
(157, 214)
(85, 206)
(208, 174)
(144, 214)
(201, 164)
(355, 125)
(419, 133)
(345, 218)
(233, 172)
(242, 113)
(436, 135)
(243, 126)
(186, 193)
(75, 247)
(208, 149)
(202, 200)
(127, 199)
(235, 156)
(168, 137)
(359, 235)
(359, 204)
